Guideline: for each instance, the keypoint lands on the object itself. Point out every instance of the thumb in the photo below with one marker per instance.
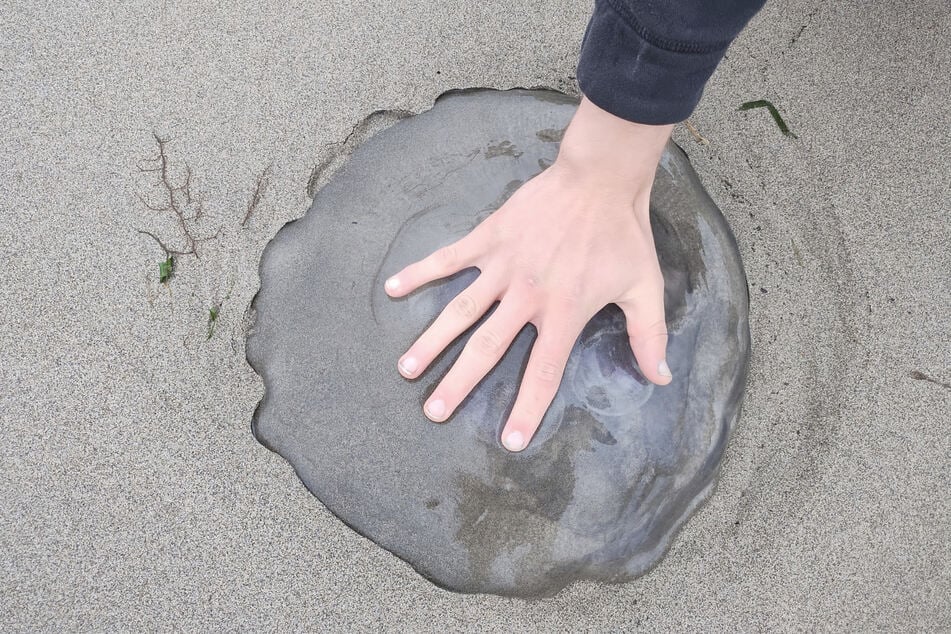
(647, 331)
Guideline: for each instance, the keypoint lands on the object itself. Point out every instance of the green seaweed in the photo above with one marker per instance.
(165, 269)
(212, 320)
(762, 103)
(215, 311)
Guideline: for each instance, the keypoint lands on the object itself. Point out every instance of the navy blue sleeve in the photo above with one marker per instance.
(648, 60)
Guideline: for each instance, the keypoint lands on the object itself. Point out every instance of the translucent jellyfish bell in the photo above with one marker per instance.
(617, 466)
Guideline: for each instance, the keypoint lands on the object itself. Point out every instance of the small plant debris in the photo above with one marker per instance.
(172, 196)
(176, 199)
(762, 103)
(215, 311)
(699, 138)
(921, 376)
(262, 182)
(165, 269)
(212, 320)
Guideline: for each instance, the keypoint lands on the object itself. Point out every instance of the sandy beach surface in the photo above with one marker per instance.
(133, 495)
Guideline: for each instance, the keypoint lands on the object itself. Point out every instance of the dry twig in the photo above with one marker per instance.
(178, 200)
(259, 187)
(696, 133)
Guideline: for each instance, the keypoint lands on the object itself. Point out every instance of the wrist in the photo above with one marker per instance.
(611, 152)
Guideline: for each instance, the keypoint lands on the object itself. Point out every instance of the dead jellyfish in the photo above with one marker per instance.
(617, 466)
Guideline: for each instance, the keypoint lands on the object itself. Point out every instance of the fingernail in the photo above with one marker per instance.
(392, 284)
(408, 366)
(514, 441)
(436, 409)
(663, 369)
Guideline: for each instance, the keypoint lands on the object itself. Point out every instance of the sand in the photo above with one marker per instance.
(133, 493)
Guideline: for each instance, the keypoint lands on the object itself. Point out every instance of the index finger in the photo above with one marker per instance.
(441, 263)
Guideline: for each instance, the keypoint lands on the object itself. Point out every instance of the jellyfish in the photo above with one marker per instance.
(618, 464)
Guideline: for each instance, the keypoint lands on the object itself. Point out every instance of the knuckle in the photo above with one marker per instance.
(446, 256)
(650, 330)
(547, 372)
(487, 342)
(529, 290)
(656, 327)
(497, 231)
(570, 297)
(465, 307)
(567, 303)
(531, 412)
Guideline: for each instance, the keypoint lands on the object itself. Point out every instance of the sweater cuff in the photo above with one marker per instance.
(634, 75)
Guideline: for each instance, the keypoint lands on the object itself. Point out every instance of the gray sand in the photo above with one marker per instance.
(133, 492)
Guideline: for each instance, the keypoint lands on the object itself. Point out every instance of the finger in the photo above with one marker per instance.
(441, 263)
(546, 366)
(464, 310)
(647, 331)
(483, 350)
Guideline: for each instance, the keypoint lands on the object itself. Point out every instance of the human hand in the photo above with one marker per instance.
(570, 241)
